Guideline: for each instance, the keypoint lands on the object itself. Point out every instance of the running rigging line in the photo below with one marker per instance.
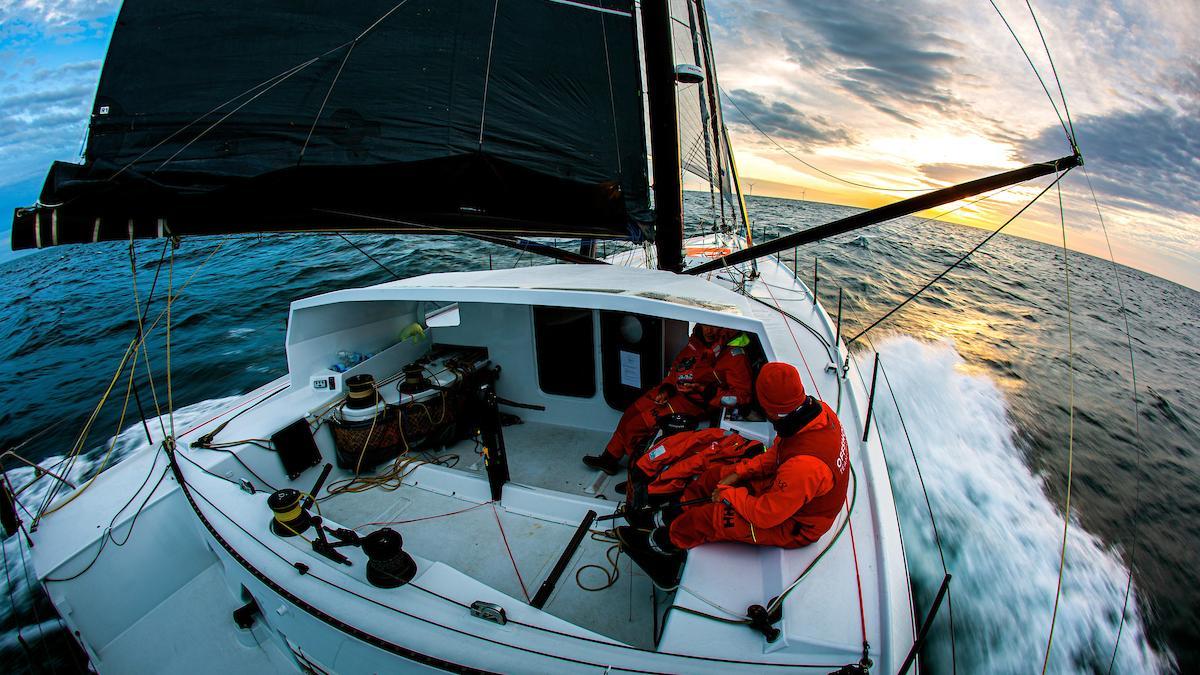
(956, 263)
(1137, 426)
(1070, 132)
(1062, 559)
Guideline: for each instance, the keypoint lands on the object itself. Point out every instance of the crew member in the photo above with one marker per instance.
(788, 496)
(711, 372)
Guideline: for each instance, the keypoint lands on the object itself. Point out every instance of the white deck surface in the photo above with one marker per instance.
(548, 456)
(544, 456)
(202, 610)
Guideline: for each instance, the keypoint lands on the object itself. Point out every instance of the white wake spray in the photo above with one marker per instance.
(1000, 532)
(20, 575)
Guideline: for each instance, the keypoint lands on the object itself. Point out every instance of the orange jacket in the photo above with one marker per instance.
(731, 378)
(802, 477)
(710, 377)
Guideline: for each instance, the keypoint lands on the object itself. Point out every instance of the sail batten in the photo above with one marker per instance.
(225, 117)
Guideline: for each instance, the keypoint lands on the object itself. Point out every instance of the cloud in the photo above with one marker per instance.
(45, 114)
(63, 20)
(891, 60)
(89, 68)
(955, 173)
(782, 120)
(1147, 159)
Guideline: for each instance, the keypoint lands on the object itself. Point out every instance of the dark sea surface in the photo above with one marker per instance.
(979, 365)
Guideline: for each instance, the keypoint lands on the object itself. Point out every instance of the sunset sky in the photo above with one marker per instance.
(918, 94)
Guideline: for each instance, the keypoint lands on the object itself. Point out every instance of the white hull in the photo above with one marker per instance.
(164, 600)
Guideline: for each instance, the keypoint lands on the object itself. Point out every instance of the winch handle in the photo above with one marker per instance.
(312, 494)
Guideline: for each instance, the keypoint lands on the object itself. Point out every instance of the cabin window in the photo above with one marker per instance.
(566, 351)
(443, 316)
(631, 352)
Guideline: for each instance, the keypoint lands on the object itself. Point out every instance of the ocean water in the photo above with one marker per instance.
(979, 366)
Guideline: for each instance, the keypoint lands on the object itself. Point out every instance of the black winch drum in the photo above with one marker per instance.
(360, 391)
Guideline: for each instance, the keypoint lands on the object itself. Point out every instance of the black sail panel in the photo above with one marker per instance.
(501, 116)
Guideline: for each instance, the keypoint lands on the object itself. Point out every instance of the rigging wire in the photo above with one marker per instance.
(1137, 425)
(325, 101)
(372, 258)
(1070, 137)
(487, 74)
(264, 87)
(1054, 71)
(956, 263)
(1062, 559)
(809, 165)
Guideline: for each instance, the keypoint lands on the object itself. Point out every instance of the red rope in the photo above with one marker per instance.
(226, 412)
(862, 613)
(788, 323)
(416, 520)
(510, 553)
(853, 547)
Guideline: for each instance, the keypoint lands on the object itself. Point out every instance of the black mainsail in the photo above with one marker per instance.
(487, 116)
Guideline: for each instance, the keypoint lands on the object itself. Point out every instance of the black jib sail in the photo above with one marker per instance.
(489, 116)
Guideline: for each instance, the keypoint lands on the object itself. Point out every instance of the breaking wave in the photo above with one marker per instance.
(1000, 532)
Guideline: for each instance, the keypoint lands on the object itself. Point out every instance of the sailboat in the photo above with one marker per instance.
(410, 496)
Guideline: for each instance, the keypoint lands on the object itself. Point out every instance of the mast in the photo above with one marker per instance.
(720, 131)
(664, 134)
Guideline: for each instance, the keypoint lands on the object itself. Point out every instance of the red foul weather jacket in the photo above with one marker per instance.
(802, 478)
(711, 377)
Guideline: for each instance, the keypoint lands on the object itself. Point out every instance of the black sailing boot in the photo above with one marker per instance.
(654, 553)
(603, 462)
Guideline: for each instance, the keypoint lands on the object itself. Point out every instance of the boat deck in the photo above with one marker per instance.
(512, 552)
(547, 456)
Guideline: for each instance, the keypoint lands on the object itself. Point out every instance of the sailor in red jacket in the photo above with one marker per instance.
(788, 496)
(711, 372)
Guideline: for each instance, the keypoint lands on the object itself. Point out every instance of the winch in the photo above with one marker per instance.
(420, 408)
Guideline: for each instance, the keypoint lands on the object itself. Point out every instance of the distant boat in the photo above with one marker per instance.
(270, 545)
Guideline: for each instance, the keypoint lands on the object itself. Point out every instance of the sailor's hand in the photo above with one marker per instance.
(718, 493)
(731, 479)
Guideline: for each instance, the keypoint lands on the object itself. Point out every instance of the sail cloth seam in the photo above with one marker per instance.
(612, 101)
(520, 244)
(1062, 558)
(956, 263)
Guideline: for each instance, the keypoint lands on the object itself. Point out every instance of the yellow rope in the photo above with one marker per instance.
(1062, 558)
(171, 301)
(111, 446)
